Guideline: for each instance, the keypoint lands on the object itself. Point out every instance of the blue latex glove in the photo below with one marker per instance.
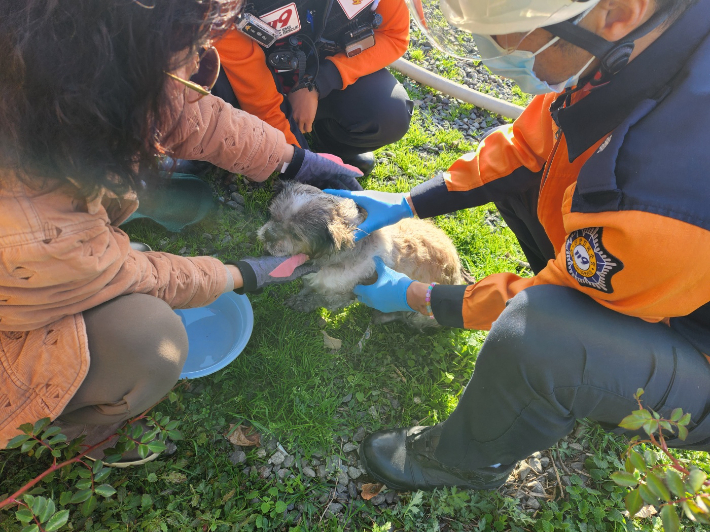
(383, 208)
(388, 293)
(322, 171)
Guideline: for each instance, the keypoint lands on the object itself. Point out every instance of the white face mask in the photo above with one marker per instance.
(518, 65)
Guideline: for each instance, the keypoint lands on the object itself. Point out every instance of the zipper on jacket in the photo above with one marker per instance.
(558, 139)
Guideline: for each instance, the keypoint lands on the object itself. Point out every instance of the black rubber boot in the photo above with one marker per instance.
(364, 162)
(403, 459)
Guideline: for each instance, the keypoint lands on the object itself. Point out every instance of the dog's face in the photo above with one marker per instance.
(306, 220)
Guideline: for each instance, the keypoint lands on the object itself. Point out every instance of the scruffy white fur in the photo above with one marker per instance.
(307, 220)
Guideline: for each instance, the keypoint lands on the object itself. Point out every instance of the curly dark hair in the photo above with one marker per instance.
(82, 85)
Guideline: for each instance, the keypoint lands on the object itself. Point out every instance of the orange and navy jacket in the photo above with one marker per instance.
(623, 172)
(244, 63)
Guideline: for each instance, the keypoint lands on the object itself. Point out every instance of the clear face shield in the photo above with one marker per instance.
(477, 30)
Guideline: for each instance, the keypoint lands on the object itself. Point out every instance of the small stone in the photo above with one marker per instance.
(183, 250)
(261, 453)
(232, 187)
(378, 499)
(309, 472)
(207, 236)
(536, 487)
(395, 404)
(227, 239)
(237, 198)
(445, 101)
(347, 398)
(238, 457)
(288, 461)
(360, 434)
(533, 503)
(545, 461)
(352, 490)
(234, 205)
(277, 458)
(332, 463)
(535, 465)
(321, 471)
(389, 497)
(335, 507)
(350, 447)
(579, 466)
(283, 473)
(265, 472)
(343, 478)
(536, 454)
(576, 446)
(524, 471)
(354, 472)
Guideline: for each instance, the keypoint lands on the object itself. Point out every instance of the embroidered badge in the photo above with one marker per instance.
(588, 262)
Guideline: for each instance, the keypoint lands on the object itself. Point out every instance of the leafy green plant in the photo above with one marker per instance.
(83, 477)
(664, 483)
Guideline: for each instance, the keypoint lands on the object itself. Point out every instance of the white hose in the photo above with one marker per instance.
(455, 90)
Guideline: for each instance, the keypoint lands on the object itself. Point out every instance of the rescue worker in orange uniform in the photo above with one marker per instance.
(604, 182)
(345, 96)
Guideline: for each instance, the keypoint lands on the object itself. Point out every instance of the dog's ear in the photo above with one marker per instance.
(321, 240)
(342, 225)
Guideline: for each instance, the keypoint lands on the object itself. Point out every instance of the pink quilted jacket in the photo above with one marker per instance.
(60, 255)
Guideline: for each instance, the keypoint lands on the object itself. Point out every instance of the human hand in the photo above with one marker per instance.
(388, 293)
(304, 103)
(383, 208)
(325, 171)
(260, 272)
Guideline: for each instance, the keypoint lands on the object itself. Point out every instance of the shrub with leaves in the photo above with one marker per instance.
(84, 477)
(664, 482)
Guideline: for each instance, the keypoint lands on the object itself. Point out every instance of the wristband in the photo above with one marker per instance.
(248, 276)
(427, 298)
(299, 154)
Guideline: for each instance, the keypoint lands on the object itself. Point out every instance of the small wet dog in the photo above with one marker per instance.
(306, 220)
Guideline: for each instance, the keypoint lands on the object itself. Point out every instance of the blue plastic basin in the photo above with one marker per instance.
(217, 334)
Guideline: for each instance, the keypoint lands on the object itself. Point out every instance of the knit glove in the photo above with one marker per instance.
(260, 272)
(322, 171)
(383, 208)
(388, 293)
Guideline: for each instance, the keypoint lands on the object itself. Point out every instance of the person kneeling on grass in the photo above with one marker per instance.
(610, 208)
(88, 336)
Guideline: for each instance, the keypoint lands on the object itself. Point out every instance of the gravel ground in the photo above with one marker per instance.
(542, 476)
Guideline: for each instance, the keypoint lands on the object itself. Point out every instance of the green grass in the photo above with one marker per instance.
(289, 386)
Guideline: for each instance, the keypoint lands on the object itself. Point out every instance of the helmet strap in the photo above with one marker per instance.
(614, 56)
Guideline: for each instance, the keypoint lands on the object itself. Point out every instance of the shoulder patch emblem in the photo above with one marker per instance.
(588, 262)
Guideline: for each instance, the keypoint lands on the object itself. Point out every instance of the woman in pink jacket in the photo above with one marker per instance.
(92, 94)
